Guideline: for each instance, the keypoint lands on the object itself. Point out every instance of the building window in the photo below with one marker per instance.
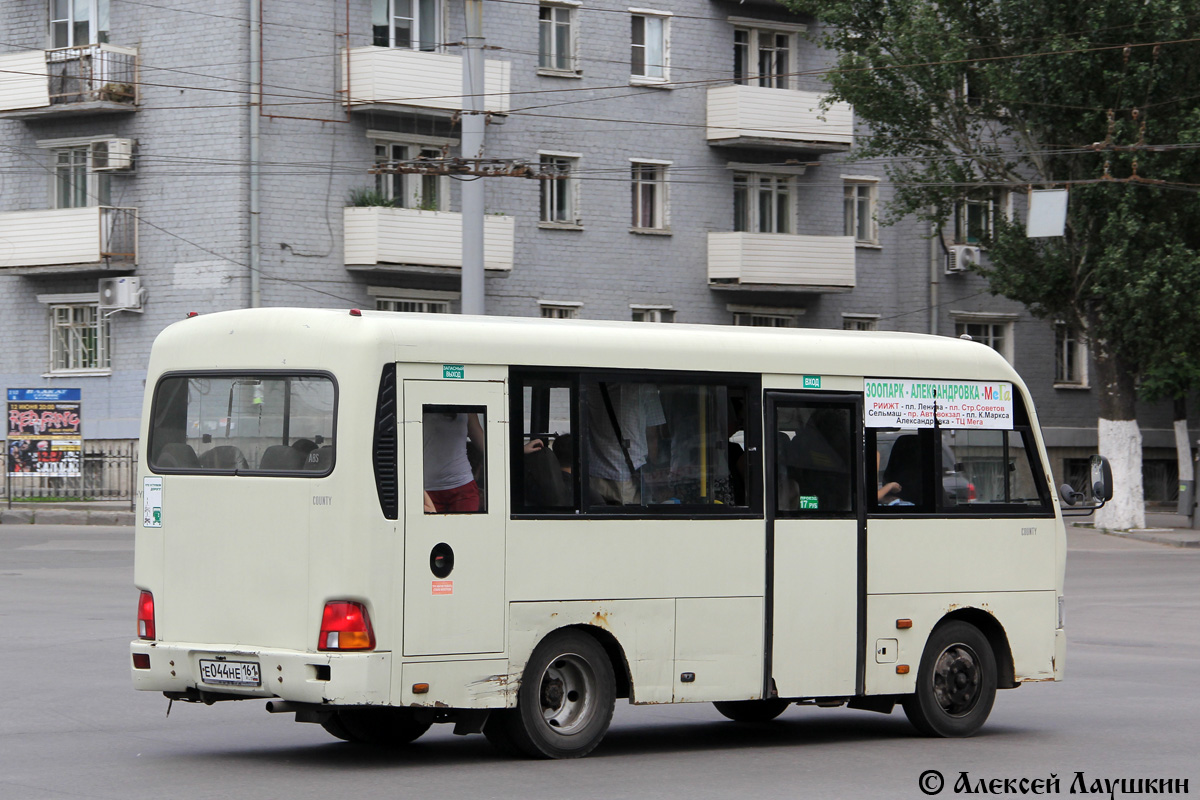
(995, 334)
(559, 200)
(858, 211)
(75, 23)
(551, 310)
(762, 57)
(860, 322)
(648, 52)
(649, 195)
(76, 184)
(412, 305)
(762, 203)
(975, 216)
(1070, 357)
(409, 24)
(759, 319)
(409, 190)
(652, 313)
(556, 38)
(80, 337)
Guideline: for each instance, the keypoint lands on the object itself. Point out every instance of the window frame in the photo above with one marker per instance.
(755, 186)
(576, 379)
(1070, 343)
(566, 190)
(80, 163)
(231, 373)
(413, 186)
(963, 322)
(653, 314)
(647, 77)
(989, 202)
(98, 23)
(658, 184)
(547, 57)
(559, 309)
(101, 331)
(418, 18)
(852, 201)
(748, 56)
(860, 322)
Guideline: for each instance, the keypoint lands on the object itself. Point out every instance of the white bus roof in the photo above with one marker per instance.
(303, 338)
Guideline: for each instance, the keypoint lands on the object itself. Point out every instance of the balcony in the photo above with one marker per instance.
(395, 79)
(781, 262)
(378, 236)
(96, 79)
(787, 119)
(68, 240)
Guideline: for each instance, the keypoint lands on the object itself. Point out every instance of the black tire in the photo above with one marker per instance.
(752, 710)
(956, 682)
(565, 702)
(388, 727)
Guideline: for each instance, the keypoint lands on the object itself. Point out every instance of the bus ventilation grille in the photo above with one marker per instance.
(384, 447)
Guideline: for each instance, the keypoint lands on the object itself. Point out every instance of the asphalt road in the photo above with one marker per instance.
(71, 726)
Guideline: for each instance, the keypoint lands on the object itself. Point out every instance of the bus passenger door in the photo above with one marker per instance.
(454, 554)
(815, 533)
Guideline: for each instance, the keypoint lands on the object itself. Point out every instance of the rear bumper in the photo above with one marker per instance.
(302, 677)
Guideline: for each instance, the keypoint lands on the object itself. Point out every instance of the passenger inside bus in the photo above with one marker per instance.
(449, 481)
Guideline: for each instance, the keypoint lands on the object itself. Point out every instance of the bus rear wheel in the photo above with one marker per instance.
(388, 727)
(565, 702)
(752, 710)
(956, 682)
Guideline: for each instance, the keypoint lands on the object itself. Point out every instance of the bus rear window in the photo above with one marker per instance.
(256, 424)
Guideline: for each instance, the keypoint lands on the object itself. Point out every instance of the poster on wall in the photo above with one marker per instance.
(45, 433)
(895, 403)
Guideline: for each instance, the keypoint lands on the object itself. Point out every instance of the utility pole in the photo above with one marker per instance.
(473, 122)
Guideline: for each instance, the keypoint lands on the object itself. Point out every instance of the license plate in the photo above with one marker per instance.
(230, 673)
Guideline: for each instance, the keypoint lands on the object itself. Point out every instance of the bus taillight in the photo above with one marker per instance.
(145, 616)
(345, 625)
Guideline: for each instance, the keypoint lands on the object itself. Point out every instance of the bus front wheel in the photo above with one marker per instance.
(375, 725)
(752, 710)
(565, 702)
(956, 682)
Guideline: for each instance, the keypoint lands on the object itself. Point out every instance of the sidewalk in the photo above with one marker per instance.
(1161, 528)
(91, 512)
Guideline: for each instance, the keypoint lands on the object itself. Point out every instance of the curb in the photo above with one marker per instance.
(1171, 539)
(65, 516)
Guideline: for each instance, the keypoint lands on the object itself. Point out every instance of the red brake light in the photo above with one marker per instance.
(345, 625)
(971, 492)
(145, 617)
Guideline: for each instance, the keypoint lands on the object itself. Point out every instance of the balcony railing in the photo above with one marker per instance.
(405, 236)
(95, 78)
(784, 260)
(68, 236)
(384, 76)
(758, 116)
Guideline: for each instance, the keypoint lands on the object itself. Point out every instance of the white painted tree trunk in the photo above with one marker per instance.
(1183, 450)
(1121, 444)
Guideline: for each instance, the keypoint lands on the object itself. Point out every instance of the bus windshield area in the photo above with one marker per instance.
(262, 424)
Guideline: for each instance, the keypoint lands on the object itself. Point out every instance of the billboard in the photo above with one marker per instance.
(45, 433)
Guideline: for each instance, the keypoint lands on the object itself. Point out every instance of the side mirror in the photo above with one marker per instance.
(1102, 480)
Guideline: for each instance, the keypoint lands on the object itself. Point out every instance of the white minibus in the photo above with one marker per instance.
(379, 521)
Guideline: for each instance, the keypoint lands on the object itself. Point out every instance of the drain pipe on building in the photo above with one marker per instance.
(473, 122)
(255, 107)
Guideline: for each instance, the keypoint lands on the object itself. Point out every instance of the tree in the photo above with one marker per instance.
(1094, 95)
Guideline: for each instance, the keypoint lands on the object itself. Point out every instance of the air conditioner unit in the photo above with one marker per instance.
(120, 294)
(112, 155)
(961, 258)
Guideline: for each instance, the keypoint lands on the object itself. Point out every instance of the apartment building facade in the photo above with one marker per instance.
(704, 182)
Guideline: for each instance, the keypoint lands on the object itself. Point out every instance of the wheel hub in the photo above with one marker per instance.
(957, 679)
(567, 688)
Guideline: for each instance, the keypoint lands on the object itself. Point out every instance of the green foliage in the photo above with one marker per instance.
(977, 93)
(369, 197)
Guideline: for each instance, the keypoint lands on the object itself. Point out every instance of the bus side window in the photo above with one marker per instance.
(544, 458)
(454, 459)
(901, 464)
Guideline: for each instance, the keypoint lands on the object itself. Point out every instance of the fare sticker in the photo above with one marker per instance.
(443, 587)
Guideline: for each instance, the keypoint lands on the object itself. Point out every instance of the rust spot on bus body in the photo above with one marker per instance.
(600, 619)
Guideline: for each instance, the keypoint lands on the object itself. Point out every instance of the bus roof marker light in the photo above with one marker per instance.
(354, 312)
(191, 314)
(345, 625)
